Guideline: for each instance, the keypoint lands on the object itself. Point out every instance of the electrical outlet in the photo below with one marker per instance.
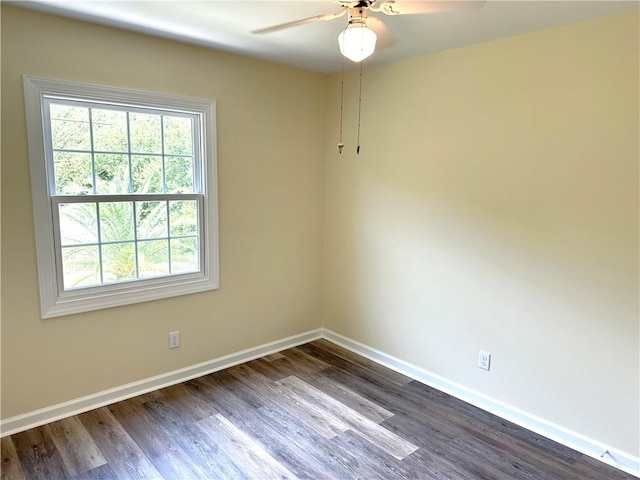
(174, 339)
(484, 360)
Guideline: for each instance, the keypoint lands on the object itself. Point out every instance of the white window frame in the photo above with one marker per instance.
(54, 300)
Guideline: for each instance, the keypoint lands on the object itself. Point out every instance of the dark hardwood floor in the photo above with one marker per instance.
(315, 412)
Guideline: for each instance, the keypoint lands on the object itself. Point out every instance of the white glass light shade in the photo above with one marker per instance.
(357, 42)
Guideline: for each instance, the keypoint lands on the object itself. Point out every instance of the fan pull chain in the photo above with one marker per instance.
(340, 142)
(359, 109)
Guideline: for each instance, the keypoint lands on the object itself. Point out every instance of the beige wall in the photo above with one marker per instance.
(494, 206)
(270, 166)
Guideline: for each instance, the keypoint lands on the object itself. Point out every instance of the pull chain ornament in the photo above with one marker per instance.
(359, 110)
(340, 142)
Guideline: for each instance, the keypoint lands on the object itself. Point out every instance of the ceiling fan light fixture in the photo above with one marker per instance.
(357, 42)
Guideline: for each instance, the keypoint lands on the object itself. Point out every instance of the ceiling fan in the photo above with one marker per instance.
(358, 40)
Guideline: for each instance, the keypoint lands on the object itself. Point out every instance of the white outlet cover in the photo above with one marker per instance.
(484, 360)
(174, 339)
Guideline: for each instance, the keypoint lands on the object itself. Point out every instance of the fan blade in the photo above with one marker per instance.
(303, 21)
(385, 37)
(417, 7)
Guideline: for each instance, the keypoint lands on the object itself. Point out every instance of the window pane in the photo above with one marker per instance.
(70, 127)
(184, 255)
(146, 173)
(78, 223)
(108, 151)
(109, 130)
(146, 134)
(112, 174)
(179, 174)
(72, 172)
(80, 266)
(177, 136)
(153, 258)
(116, 221)
(151, 219)
(118, 262)
(183, 218)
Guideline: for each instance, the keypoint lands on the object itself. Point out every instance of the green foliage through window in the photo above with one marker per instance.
(99, 152)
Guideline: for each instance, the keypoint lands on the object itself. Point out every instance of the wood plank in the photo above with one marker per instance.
(357, 465)
(308, 454)
(376, 434)
(38, 454)
(303, 361)
(504, 463)
(123, 455)
(152, 439)
(103, 472)
(385, 394)
(312, 415)
(508, 439)
(345, 395)
(207, 459)
(434, 465)
(223, 382)
(147, 397)
(360, 361)
(508, 453)
(10, 468)
(176, 464)
(272, 357)
(76, 447)
(478, 419)
(275, 370)
(591, 469)
(385, 465)
(391, 396)
(434, 437)
(376, 377)
(29, 438)
(292, 362)
(192, 406)
(227, 395)
(285, 438)
(248, 455)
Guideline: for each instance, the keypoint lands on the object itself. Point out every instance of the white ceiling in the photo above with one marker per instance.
(227, 25)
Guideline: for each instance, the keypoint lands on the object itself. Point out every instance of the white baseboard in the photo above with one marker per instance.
(609, 455)
(36, 418)
(616, 458)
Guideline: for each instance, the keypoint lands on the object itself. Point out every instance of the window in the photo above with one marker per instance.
(124, 189)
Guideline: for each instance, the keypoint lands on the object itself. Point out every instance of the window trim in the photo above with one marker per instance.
(54, 301)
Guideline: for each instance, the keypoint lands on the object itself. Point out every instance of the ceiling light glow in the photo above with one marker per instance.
(357, 42)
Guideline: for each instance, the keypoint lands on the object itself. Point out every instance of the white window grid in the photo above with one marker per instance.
(98, 199)
(54, 300)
